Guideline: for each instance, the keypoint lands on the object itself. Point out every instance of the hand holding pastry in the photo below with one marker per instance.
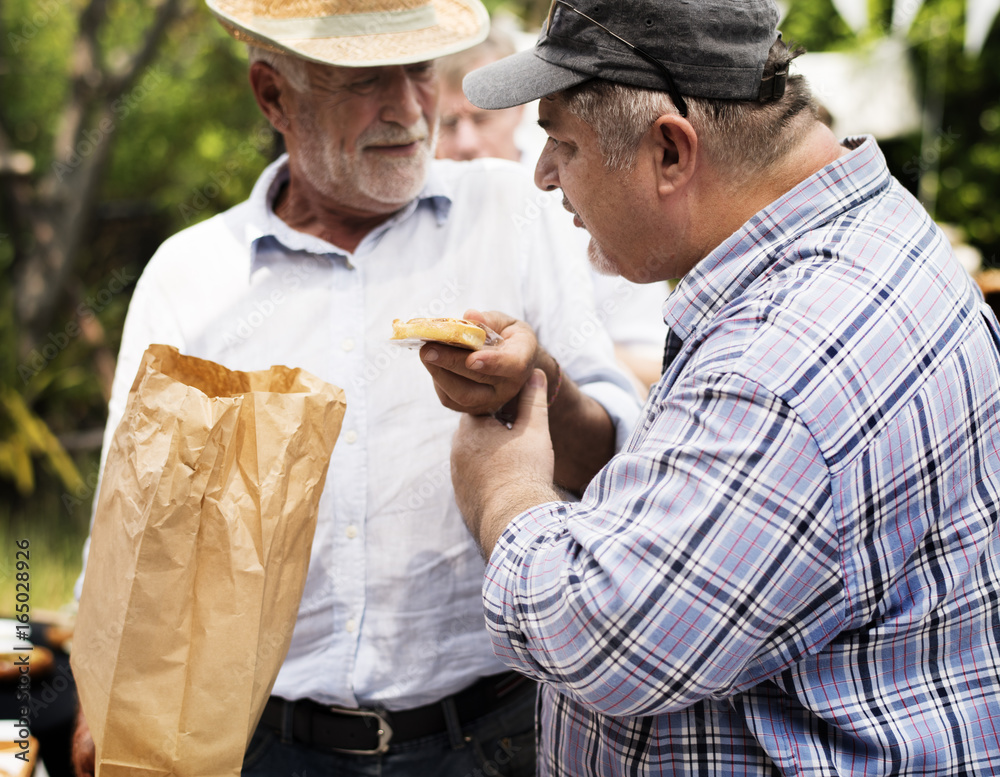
(484, 381)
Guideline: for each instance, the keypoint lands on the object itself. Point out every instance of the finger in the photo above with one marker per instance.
(494, 319)
(533, 405)
(511, 359)
(455, 360)
(84, 756)
(459, 393)
(447, 356)
(502, 324)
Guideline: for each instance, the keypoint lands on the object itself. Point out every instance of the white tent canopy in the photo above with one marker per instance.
(979, 17)
(874, 90)
(867, 92)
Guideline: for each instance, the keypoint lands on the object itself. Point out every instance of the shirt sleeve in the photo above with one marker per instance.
(701, 560)
(560, 305)
(150, 319)
(632, 312)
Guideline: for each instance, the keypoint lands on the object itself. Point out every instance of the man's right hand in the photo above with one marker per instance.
(499, 472)
(84, 756)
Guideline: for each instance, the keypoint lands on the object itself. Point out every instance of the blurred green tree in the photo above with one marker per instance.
(120, 123)
(953, 163)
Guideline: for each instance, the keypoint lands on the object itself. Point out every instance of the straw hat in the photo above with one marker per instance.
(356, 33)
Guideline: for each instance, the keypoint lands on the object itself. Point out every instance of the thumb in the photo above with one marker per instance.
(494, 319)
(533, 403)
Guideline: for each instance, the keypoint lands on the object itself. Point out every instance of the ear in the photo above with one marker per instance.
(676, 146)
(269, 89)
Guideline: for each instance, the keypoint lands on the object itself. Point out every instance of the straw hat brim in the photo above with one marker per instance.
(460, 24)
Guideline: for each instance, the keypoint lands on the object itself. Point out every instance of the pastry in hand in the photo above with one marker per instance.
(450, 331)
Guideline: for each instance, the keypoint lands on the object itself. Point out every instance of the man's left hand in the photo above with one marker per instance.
(483, 381)
(488, 381)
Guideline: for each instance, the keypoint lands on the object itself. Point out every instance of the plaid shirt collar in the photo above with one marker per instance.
(751, 251)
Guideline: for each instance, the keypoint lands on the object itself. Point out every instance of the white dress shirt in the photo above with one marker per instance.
(392, 612)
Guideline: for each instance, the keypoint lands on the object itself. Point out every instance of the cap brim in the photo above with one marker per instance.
(517, 79)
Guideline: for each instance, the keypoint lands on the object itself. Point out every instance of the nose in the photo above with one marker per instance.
(401, 99)
(466, 139)
(546, 173)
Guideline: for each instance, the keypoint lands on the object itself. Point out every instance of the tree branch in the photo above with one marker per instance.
(85, 81)
(15, 192)
(65, 194)
(119, 82)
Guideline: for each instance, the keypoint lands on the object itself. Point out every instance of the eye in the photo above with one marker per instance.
(421, 70)
(364, 85)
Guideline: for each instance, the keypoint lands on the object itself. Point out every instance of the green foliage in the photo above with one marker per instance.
(186, 140)
(969, 140)
(195, 140)
(817, 26)
(56, 534)
(957, 167)
(23, 435)
(37, 39)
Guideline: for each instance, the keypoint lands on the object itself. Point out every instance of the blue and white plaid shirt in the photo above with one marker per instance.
(794, 565)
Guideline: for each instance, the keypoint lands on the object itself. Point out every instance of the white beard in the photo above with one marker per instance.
(389, 182)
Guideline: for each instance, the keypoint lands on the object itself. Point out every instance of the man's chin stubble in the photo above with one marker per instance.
(599, 260)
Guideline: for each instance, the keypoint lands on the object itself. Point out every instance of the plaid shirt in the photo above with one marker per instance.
(794, 566)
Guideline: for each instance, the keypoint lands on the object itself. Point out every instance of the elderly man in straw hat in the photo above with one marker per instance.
(794, 565)
(390, 669)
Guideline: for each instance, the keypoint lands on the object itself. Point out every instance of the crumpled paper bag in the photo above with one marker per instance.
(198, 556)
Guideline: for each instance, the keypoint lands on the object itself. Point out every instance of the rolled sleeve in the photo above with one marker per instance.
(701, 560)
(620, 404)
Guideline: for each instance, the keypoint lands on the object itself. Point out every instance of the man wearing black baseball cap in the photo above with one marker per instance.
(793, 566)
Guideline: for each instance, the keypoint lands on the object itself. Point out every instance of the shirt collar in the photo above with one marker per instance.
(751, 250)
(264, 222)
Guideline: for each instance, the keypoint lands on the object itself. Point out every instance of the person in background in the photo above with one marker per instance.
(631, 312)
(794, 565)
(390, 670)
(467, 132)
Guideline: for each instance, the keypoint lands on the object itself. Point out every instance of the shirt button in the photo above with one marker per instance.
(347, 344)
(352, 532)
(351, 625)
(350, 436)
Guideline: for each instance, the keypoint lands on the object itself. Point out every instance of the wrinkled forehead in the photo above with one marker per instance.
(334, 75)
(553, 109)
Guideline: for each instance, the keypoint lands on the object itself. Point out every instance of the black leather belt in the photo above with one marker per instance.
(368, 731)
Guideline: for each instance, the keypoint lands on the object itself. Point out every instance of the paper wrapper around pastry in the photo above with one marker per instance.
(417, 332)
(198, 557)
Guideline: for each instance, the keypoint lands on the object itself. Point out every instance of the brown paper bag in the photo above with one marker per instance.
(198, 557)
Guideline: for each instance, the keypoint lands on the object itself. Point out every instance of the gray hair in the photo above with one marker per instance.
(292, 68)
(740, 137)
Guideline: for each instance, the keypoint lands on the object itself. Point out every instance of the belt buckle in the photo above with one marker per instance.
(384, 731)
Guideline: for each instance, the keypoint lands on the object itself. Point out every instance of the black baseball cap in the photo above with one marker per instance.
(702, 48)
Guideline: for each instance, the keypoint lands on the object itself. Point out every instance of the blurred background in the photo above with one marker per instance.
(122, 122)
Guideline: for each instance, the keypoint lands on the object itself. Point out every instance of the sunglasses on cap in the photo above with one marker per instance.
(675, 95)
